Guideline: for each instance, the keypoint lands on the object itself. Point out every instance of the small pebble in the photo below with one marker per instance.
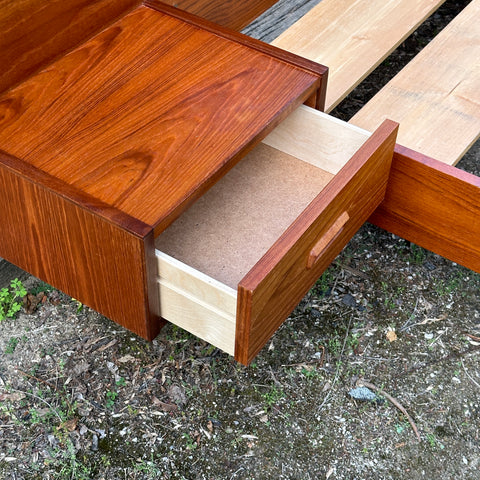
(363, 393)
(94, 443)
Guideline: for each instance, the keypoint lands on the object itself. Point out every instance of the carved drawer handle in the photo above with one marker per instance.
(326, 239)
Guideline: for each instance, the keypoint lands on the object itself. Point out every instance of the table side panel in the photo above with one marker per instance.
(88, 256)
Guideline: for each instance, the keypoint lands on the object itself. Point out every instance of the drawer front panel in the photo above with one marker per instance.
(275, 285)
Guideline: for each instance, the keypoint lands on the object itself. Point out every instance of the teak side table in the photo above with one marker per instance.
(133, 177)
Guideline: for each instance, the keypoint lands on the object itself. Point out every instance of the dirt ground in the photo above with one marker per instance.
(81, 398)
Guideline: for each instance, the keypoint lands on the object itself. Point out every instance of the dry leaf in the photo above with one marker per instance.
(391, 336)
(166, 407)
(127, 358)
(12, 397)
(71, 425)
(30, 302)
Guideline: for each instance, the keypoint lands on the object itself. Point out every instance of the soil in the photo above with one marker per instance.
(82, 398)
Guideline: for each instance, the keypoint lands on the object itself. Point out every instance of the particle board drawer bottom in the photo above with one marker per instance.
(233, 266)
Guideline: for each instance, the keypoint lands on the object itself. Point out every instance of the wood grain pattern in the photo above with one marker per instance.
(73, 244)
(147, 119)
(436, 97)
(434, 205)
(252, 43)
(36, 32)
(228, 13)
(352, 37)
(270, 291)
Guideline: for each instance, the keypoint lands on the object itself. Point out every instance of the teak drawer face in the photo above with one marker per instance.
(234, 266)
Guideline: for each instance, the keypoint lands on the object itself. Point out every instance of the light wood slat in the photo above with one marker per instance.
(436, 97)
(352, 37)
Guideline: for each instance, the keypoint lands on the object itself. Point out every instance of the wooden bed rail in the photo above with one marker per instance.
(433, 205)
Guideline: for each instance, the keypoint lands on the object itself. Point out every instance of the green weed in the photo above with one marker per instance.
(273, 396)
(417, 254)
(111, 396)
(10, 299)
(12, 345)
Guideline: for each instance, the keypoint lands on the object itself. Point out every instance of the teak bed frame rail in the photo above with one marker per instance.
(94, 196)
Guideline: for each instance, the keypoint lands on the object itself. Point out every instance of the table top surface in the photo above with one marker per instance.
(149, 113)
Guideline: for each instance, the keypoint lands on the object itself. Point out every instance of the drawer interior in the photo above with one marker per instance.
(206, 252)
(229, 229)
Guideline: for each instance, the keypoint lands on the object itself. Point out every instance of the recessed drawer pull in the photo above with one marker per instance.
(326, 239)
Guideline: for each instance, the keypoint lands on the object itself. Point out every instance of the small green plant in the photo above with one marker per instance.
(9, 299)
(434, 442)
(334, 346)
(323, 283)
(79, 304)
(388, 302)
(65, 458)
(12, 345)
(121, 382)
(149, 468)
(273, 396)
(111, 396)
(445, 288)
(309, 373)
(417, 254)
(190, 441)
(400, 427)
(41, 287)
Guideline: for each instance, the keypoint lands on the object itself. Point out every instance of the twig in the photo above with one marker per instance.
(468, 375)
(48, 384)
(473, 337)
(353, 271)
(407, 325)
(391, 399)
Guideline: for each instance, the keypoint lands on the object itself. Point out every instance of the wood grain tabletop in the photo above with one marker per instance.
(149, 113)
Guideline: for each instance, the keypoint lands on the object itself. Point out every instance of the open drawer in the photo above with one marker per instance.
(235, 264)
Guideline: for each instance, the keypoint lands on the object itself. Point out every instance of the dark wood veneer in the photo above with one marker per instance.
(234, 14)
(36, 32)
